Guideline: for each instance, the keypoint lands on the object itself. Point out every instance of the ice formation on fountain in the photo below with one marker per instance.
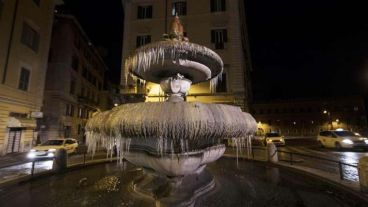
(173, 138)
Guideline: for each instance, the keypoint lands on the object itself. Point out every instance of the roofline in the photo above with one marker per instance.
(76, 22)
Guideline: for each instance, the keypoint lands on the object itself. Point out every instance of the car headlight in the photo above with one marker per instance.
(31, 155)
(347, 141)
(366, 141)
(52, 150)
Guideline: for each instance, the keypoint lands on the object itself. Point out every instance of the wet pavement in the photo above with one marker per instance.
(249, 184)
(310, 147)
(25, 166)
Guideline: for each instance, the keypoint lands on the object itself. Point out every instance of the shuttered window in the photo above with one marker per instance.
(144, 12)
(30, 37)
(24, 79)
(142, 40)
(218, 5)
(219, 37)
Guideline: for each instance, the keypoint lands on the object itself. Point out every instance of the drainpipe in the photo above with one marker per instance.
(10, 42)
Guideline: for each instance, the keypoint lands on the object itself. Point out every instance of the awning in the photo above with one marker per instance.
(21, 123)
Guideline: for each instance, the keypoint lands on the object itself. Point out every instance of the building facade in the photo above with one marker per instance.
(74, 88)
(25, 27)
(308, 117)
(216, 24)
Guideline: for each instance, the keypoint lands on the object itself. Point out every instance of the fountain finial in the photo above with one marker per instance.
(177, 29)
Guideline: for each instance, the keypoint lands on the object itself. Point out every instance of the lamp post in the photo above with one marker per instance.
(329, 118)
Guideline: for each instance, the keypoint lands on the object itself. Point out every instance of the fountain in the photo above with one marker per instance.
(173, 140)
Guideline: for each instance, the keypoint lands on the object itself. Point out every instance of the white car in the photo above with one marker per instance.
(275, 138)
(48, 149)
(341, 139)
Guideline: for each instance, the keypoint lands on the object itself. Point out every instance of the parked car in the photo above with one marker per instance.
(342, 139)
(48, 148)
(275, 138)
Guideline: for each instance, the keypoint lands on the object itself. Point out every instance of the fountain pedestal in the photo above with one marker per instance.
(174, 191)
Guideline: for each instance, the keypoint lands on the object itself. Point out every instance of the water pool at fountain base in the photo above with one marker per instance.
(249, 184)
(176, 191)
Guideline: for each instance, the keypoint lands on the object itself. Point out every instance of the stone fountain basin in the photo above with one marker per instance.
(175, 165)
(194, 71)
(163, 59)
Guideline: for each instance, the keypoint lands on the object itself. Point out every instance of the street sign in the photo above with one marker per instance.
(37, 114)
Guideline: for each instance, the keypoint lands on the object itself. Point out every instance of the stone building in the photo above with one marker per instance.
(216, 24)
(309, 116)
(25, 32)
(74, 88)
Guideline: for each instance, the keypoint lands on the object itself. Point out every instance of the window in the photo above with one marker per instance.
(82, 92)
(222, 84)
(143, 39)
(179, 8)
(77, 42)
(72, 87)
(75, 62)
(84, 73)
(67, 131)
(219, 37)
(69, 142)
(80, 112)
(37, 2)
(69, 110)
(218, 5)
(144, 12)
(1, 7)
(30, 37)
(24, 79)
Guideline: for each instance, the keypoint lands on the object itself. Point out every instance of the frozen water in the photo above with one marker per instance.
(185, 126)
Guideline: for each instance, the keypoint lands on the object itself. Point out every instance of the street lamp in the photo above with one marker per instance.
(329, 118)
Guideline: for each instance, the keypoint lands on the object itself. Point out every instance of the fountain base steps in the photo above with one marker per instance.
(173, 191)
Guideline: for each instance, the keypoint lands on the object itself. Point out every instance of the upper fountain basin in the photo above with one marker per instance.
(156, 61)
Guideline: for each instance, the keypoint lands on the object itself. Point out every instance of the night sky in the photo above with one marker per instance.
(103, 23)
(299, 49)
(308, 48)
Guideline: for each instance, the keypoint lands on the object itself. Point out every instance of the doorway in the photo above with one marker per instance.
(14, 140)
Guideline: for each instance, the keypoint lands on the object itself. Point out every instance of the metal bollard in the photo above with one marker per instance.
(363, 174)
(61, 160)
(272, 153)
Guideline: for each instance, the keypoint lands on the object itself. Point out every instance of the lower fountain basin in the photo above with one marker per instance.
(174, 165)
(249, 184)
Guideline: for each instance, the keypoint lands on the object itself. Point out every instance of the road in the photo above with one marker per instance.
(308, 146)
(307, 154)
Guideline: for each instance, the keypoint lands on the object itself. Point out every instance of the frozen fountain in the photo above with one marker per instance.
(174, 140)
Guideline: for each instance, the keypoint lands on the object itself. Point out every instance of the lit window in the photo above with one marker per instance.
(30, 37)
(144, 12)
(222, 84)
(179, 8)
(143, 39)
(219, 37)
(24, 79)
(218, 5)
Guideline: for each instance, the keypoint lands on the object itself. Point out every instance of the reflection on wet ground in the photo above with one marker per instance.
(24, 169)
(251, 184)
